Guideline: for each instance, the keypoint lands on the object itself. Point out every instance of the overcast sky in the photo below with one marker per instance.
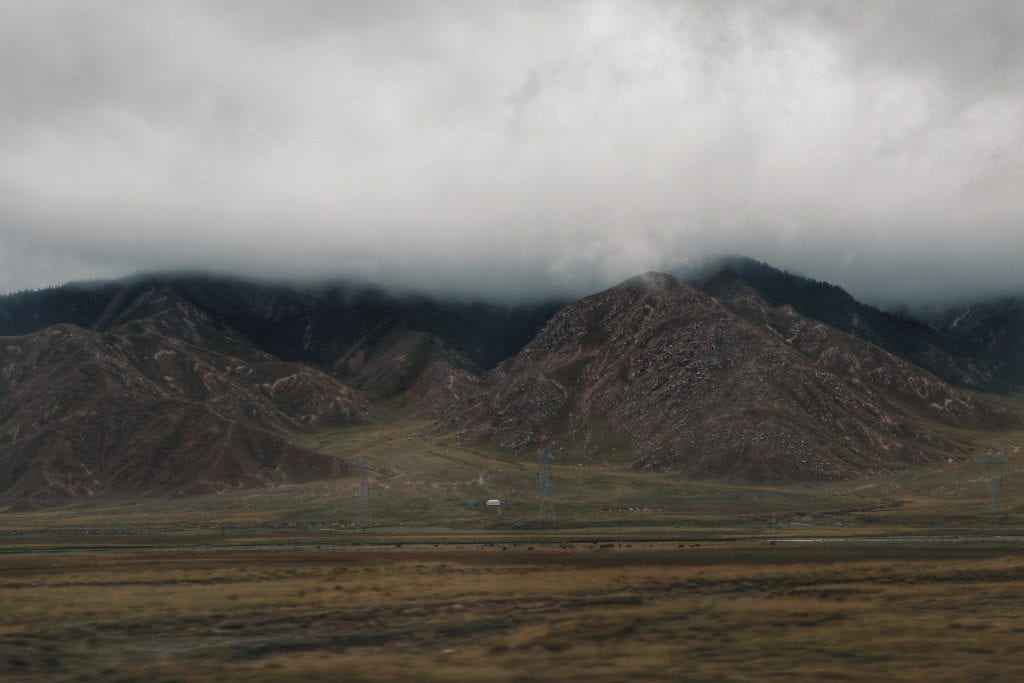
(515, 149)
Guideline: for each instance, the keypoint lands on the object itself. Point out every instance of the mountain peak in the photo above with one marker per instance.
(652, 281)
(660, 373)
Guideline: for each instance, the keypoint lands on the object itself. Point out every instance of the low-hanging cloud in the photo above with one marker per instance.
(515, 150)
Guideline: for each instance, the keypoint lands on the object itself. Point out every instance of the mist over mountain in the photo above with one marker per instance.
(516, 152)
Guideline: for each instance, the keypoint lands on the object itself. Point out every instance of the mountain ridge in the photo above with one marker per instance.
(215, 377)
(905, 336)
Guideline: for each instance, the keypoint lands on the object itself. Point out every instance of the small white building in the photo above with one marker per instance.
(493, 503)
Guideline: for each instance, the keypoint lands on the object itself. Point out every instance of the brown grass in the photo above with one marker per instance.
(581, 612)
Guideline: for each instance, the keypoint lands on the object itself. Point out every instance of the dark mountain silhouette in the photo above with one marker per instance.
(364, 335)
(312, 324)
(902, 335)
(992, 331)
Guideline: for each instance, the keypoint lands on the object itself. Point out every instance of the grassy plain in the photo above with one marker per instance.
(496, 611)
(905, 576)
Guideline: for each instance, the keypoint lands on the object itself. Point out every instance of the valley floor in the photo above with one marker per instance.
(904, 576)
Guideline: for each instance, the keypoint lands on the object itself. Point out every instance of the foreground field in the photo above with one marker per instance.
(286, 608)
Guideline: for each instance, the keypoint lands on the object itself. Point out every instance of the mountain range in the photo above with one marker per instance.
(184, 384)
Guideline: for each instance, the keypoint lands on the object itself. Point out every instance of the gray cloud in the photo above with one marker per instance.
(515, 149)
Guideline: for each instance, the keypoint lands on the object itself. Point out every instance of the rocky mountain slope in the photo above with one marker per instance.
(901, 335)
(163, 401)
(656, 371)
(418, 367)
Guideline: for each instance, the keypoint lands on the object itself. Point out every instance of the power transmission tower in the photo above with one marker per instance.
(364, 519)
(546, 502)
(994, 465)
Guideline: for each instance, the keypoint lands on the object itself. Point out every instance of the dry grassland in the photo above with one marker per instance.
(586, 611)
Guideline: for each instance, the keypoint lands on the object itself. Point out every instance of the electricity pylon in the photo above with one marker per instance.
(364, 519)
(546, 502)
(994, 465)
